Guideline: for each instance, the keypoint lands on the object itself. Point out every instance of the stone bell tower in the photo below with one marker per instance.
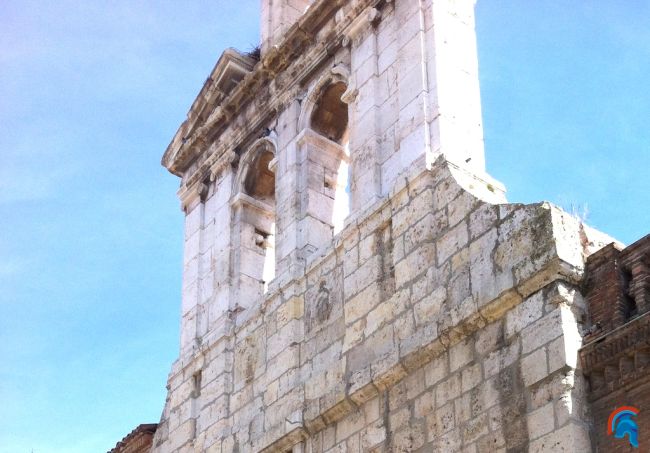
(353, 280)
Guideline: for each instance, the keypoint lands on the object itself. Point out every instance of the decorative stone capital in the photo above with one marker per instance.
(221, 163)
(192, 195)
(368, 18)
(326, 147)
(243, 201)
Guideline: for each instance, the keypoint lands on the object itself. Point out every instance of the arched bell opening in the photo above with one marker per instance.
(260, 180)
(329, 119)
(255, 208)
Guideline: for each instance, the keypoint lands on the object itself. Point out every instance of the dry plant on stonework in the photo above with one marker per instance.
(580, 211)
(255, 52)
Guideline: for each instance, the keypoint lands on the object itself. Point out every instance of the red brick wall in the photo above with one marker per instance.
(603, 289)
(639, 397)
(616, 352)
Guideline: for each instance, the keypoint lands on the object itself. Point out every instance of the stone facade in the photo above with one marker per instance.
(353, 280)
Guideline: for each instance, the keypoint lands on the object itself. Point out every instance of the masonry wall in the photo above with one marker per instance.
(440, 317)
(489, 392)
(458, 318)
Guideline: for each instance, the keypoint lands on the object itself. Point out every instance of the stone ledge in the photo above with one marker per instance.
(617, 358)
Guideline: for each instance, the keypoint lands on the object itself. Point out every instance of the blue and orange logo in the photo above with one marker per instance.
(622, 423)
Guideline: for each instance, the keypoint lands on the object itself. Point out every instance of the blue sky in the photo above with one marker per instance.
(91, 230)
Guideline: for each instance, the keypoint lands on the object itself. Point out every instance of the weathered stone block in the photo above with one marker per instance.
(542, 331)
(534, 367)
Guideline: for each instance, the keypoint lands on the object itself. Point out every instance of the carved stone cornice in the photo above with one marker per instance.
(241, 200)
(617, 343)
(298, 56)
(326, 147)
(227, 73)
(190, 195)
(221, 163)
(618, 357)
(198, 187)
(368, 17)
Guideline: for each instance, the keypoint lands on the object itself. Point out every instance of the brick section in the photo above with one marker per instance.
(603, 287)
(635, 395)
(137, 441)
(616, 354)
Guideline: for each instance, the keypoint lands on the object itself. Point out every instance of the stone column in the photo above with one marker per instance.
(364, 98)
(286, 169)
(318, 186)
(207, 258)
(194, 207)
(252, 230)
(217, 255)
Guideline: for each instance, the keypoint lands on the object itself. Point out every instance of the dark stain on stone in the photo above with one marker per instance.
(510, 386)
(384, 244)
(323, 304)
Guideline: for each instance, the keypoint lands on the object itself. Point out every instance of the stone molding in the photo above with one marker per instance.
(368, 17)
(618, 358)
(243, 200)
(263, 143)
(325, 145)
(254, 87)
(338, 73)
(190, 195)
